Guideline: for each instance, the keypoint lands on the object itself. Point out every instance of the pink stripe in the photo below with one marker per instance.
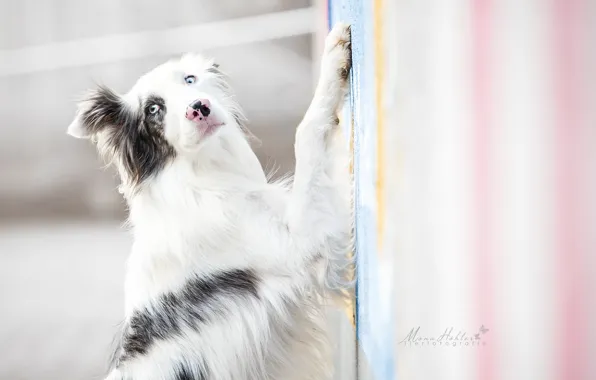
(482, 58)
(568, 169)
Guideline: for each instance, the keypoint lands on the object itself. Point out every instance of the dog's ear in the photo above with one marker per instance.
(101, 108)
(76, 127)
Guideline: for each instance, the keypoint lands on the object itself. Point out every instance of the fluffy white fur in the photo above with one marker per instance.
(211, 209)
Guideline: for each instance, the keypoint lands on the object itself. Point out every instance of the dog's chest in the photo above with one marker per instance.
(223, 233)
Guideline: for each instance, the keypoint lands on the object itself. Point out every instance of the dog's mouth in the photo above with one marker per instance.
(208, 129)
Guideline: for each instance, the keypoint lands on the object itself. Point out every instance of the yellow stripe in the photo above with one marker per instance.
(379, 72)
(350, 308)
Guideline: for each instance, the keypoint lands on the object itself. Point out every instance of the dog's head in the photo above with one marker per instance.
(183, 110)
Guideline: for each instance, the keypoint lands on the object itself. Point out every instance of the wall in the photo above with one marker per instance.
(374, 300)
(474, 148)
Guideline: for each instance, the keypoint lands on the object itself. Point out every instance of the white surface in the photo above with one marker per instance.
(62, 298)
(429, 184)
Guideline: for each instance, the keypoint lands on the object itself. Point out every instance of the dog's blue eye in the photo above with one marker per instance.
(190, 79)
(154, 109)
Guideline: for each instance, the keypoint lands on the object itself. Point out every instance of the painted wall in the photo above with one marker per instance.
(475, 167)
(374, 306)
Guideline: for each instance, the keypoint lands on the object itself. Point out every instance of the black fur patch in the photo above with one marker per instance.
(214, 69)
(184, 373)
(189, 308)
(137, 137)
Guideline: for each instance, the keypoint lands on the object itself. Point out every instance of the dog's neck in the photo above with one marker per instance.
(182, 220)
(223, 166)
(188, 197)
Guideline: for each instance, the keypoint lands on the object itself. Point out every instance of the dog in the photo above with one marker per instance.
(229, 273)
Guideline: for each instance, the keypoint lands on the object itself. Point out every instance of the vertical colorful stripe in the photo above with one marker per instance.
(494, 123)
(379, 73)
(374, 319)
(569, 168)
(483, 177)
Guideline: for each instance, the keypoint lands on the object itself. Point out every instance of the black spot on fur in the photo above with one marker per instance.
(214, 69)
(136, 137)
(184, 373)
(195, 304)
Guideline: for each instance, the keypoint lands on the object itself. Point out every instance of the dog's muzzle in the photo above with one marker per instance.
(199, 112)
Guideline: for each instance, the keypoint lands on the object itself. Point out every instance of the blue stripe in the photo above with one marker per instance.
(374, 316)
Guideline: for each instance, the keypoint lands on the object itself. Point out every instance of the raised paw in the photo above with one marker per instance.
(337, 58)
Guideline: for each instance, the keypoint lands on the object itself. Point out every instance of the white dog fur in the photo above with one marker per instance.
(229, 273)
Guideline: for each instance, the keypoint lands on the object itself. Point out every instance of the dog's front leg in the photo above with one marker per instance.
(317, 209)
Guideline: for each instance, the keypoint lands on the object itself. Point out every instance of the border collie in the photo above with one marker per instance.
(229, 273)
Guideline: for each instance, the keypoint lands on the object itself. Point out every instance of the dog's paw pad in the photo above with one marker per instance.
(345, 71)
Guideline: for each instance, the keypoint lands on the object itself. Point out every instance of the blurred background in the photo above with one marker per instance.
(62, 250)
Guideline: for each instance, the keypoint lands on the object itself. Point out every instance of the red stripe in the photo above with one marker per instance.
(482, 58)
(572, 346)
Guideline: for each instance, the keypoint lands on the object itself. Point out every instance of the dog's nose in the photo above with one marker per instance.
(197, 108)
